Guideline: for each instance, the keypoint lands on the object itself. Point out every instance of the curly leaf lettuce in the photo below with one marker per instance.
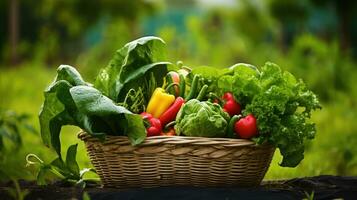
(281, 104)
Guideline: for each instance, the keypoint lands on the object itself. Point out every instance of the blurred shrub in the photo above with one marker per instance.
(114, 36)
(12, 126)
(60, 26)
(326, 69)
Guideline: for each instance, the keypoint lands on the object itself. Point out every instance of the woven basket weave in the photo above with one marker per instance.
(176, 160)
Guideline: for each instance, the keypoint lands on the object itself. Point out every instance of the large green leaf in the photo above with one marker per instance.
(54, 115)
(135, 129)
(92, 103)
(129, 65)
(71, 162)
(82, 106)
(70, 74)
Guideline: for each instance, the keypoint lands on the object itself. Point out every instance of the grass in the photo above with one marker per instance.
(332, 152)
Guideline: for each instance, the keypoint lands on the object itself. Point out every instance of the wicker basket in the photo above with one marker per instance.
(176, 160)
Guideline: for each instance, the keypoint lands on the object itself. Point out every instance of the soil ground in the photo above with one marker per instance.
(322, 187)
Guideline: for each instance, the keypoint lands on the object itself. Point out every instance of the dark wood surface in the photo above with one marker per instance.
(323, 187)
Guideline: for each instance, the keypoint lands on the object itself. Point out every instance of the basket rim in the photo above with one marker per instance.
(154, 140)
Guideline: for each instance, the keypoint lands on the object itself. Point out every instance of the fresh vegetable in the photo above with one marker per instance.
(202, 94)
(203, 119)
(182, 86)
(170, 132)
(134, 101)
(275, 103)
(155, 127)
(246, 127)
(193, 89)
(71, 101)
(146, 115)
(159, 102)
(173, 78)
(170, 114)
(209, 76)
(281, 104)
(230, 106)
(133, 67)
(168, 129)
(135, 70)
(231, 126)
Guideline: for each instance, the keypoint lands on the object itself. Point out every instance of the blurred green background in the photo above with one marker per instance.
(314, 39)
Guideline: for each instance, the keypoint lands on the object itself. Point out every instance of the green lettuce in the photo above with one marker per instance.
(201, 119)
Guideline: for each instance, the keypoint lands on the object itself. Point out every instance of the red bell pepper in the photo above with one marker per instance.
(154, 127)
(246, 127)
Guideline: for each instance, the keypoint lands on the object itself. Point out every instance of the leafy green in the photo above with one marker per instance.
(70, 101)
(281, 104)
(58, 108)
(134, 101)
(136, 68)
(203, 119)
(67, 170)
(71, 162)
(209, 76)
(11, 126)
(131, 68)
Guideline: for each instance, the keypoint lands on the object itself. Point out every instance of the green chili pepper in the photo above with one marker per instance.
(169, 81)
(170, 86)
(202, 93)
(182, 86)
(193, 89)
(230, 130)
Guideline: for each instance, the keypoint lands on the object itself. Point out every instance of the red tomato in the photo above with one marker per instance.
(231, 106)
(246, 127)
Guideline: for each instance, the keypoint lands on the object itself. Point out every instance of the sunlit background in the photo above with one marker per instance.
(314, 39)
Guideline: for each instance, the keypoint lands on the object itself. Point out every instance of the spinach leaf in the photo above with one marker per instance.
(67, 170)
(115, 119)
(54, 113)
(71, 160)
(71, 101)
(135, 129)
(131, 66)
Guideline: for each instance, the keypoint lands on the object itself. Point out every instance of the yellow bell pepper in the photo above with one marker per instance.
(159, 102)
